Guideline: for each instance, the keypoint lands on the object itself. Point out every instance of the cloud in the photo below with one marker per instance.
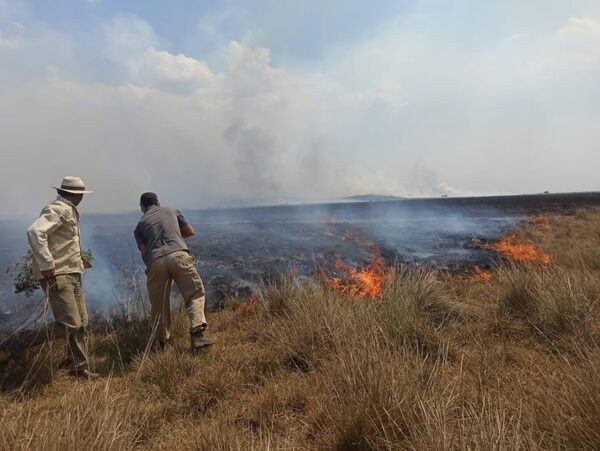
(128, 36)
(9, 42)
(170, 72)
(242, 138)
(581, 26)
(401, 111)
(11, 33)
(577, 44)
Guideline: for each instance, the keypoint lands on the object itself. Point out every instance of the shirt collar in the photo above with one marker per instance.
(150, 208)
(66, 201)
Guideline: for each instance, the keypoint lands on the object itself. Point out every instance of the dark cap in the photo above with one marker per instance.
(148, 199)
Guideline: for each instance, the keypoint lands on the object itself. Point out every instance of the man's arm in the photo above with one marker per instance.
(140, 242)
(185, 227)
(37, 235)
(187, 231)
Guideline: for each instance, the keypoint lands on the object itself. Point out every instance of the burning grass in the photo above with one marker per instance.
(482, 274)
(359, 283)
(509, 361)
(516, 247)
(511, 246)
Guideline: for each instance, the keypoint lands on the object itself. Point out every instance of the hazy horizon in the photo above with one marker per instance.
(347, 199)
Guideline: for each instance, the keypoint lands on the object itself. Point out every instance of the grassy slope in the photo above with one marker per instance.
(438, 363)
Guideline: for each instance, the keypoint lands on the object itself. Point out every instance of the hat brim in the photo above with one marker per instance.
(72, 191)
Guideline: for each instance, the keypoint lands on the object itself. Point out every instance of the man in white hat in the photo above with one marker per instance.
(58, 265)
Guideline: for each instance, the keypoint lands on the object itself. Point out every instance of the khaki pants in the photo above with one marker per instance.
(65, 294)
(179, 267)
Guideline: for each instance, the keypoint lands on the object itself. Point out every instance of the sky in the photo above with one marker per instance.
(240, 102)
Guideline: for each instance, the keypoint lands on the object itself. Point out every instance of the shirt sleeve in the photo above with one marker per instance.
(181, 220)
(139, 239)
(37, 235)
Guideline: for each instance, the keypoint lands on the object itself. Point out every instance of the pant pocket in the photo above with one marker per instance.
(61, 283)
(50, 284)
(184, 259)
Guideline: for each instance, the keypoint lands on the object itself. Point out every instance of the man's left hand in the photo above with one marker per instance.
(48, 274)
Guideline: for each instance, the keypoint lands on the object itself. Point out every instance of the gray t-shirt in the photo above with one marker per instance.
(159, 230)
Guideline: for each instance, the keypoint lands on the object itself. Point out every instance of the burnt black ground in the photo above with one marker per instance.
(237, 249)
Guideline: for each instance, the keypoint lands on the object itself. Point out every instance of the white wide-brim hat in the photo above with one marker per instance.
(73, 185)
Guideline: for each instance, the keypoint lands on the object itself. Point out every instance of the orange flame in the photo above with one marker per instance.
(251, 303)
(368, 282)
(482, 274)
(522, 252)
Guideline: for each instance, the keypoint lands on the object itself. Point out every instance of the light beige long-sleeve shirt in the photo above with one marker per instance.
(54, 239)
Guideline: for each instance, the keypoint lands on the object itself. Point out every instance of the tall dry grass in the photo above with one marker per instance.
(510, 363)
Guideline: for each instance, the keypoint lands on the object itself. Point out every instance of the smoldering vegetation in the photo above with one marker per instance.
(509, 361)
(239, 249)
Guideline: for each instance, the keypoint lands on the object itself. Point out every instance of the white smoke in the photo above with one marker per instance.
(202, 133)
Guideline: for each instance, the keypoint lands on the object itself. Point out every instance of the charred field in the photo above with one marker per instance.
(484, 336)
(239, 250)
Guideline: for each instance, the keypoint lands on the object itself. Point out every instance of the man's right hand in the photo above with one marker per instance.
(47, 274)
(187, 231)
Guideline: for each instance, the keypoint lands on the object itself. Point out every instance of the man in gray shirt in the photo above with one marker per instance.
(160, 238)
